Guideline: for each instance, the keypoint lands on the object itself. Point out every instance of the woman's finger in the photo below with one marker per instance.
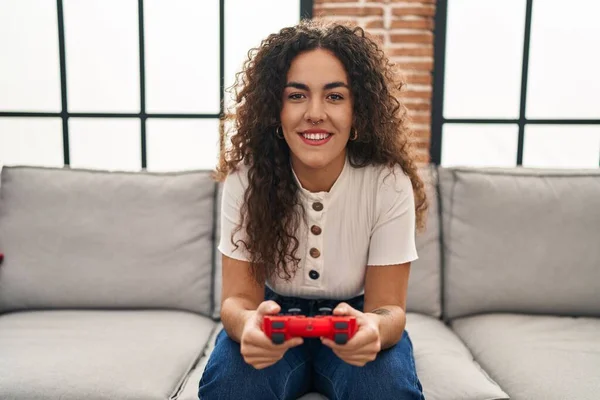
(263, 365)
(262, 360)
(270, 350)
(356, 360)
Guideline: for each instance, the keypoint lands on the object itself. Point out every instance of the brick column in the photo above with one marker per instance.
(404, 28)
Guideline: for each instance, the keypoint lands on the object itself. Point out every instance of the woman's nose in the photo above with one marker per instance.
(315, 111)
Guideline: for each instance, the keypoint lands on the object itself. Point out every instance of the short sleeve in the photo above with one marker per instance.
(393, 234)
(232, 199)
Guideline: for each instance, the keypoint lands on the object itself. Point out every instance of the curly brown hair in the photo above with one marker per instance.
(271, 211)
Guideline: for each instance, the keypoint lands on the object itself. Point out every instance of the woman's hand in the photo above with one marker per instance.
(366, 342)
(256, 347)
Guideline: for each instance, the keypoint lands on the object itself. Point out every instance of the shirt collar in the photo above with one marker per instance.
(339, 182)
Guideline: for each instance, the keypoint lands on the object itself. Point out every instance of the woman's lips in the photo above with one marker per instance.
(315, 137)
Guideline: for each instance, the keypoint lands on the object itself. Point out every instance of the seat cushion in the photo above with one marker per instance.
(537, 357)
(445, 366)
(113, 239)
(98, 355)
(189, 390)
(521, 240)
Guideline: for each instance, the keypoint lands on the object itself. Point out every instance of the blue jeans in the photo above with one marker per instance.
(310, 367)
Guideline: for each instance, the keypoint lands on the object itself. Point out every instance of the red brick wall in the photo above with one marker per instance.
(405, 30)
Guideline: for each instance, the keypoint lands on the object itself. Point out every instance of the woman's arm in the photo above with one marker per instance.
(240, 296)
(382, 321)
(385, 299)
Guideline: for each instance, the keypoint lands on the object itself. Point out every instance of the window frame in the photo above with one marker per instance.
(437, 108)
(306, 12)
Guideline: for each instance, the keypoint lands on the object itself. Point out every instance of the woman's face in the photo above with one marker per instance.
(316, 116)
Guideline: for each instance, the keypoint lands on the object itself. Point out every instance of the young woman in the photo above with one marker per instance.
(321, 201)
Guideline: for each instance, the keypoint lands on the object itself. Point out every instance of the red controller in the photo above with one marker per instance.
(280, 328)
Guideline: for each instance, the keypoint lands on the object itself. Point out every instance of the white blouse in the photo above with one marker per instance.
(366, 219)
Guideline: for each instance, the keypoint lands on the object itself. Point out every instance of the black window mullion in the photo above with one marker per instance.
(221, 74)
(64, 114)
(306, 9)
(143, 115)
(103, 115)
(221, 58)
(524, 74)
(526, 121)
(437, 104)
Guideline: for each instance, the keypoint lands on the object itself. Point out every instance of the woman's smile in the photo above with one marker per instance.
(315, 137)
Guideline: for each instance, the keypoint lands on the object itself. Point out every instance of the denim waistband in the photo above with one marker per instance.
(310, 307)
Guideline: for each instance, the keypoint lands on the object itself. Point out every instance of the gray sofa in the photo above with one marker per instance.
(110, 284)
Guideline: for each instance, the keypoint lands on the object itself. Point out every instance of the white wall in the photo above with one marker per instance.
(484, 55)
(103, 76)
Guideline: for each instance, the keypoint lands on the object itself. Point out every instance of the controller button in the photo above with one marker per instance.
(277, 324)
(340, 338)
(294, 311)
(278, 338)
(313, 274)
(325, 311)
(340, 325)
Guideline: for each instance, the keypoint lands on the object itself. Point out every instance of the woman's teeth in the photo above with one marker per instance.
(316, 136)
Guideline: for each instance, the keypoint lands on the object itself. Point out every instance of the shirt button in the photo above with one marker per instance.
(313, 274)
(316, 230)
(317, 206)
(315, 253)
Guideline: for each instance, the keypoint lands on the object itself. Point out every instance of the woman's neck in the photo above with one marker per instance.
(319, 179)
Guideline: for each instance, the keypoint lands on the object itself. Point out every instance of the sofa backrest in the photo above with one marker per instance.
(91, 239)
(218, 270)
(520, 240)
(424, 285)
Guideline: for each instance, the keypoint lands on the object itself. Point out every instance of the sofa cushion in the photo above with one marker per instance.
(521, 240)
(537, 357)
(445, 366)
(189, 390)
(424, 288)
(97, 355)
(95, 239)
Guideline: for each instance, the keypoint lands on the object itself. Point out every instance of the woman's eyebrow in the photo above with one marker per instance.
(327, 86)
(334, 85)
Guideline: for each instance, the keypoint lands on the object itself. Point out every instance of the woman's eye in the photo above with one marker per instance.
(295, 96)
(335, 97)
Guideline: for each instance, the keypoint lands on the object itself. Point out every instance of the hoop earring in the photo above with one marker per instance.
(355, 136)
(278, 132)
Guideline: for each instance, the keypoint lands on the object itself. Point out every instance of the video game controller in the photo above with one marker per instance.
(282, 327)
